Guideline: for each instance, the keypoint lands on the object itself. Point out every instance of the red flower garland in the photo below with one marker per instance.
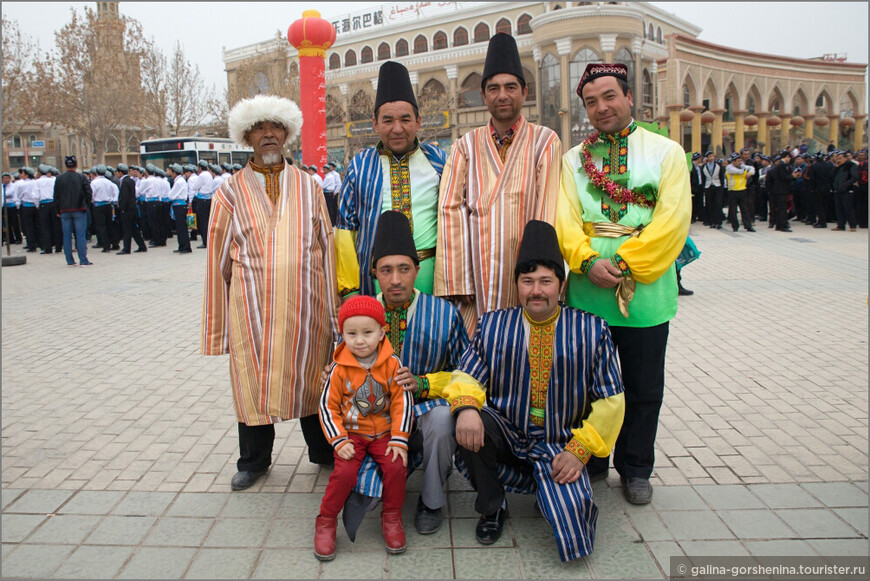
(600, 180)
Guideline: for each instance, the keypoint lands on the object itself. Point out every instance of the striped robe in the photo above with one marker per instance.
(270, 297)
(583, 355)
(484, 206)
(360, 204)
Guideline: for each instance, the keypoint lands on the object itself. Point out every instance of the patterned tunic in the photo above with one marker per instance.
(270, 297)
(484, 207)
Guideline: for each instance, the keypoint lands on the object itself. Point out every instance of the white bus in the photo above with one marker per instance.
(184, 150)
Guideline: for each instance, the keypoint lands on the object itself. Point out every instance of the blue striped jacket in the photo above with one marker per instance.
(360, 203)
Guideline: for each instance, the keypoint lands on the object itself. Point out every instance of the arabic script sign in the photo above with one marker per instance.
(391, 14)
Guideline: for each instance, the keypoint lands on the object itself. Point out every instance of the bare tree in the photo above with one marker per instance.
(23, 65)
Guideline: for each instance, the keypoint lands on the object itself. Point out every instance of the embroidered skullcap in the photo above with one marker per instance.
(122, 167)
(202, 163)
(597, 70)
(6, 173)
(361, 306)
(237, 166)
(70, 161)
(393, 237)
(176, 167)
(248, 112)
(151, 168)
(110, 168)
(101, 169)
(28, 170)
(43, 168)
(539, 245)
(394, 84)
(226, 166)
(696, 155)
(734, 155)
(502, 56)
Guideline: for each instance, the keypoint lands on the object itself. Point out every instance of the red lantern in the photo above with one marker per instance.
(821, 121)
(774, 121)
(707, 117)
(847, 121)
(797, 121)
(686, 115)
(750, 120)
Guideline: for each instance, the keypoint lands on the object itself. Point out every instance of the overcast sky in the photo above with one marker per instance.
(797, 29)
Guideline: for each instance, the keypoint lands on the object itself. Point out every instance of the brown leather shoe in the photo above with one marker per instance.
(394, 532)
(324, 537)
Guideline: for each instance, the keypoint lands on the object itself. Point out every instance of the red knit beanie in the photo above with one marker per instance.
(361, 305)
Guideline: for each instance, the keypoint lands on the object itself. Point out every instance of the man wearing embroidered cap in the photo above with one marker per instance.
(270, 297)
(551, 384)
(498, 177)
(400, 174)
(623, 217)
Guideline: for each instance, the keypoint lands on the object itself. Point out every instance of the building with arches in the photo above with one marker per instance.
(707, 96)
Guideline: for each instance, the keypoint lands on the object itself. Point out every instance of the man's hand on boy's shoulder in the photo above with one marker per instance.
(395, 452)
(406, 379)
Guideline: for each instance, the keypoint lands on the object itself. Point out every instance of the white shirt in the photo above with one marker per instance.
(26, 191)
(215, 183)
(144, 188)
(163, 187)
(104, 190)
(45, 188)
(318, 179)
(179, 190)
(332, 182)
(204, 183)
(10, 191)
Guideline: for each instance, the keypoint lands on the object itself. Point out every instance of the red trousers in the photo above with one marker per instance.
(345, 473)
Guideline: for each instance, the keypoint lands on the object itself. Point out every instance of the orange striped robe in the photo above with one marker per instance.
(483, 208)
(270, 297)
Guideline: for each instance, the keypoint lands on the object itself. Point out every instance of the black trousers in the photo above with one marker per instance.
(713, 202)
(203, 211)
(779, 211)
(698, 206)
(332, 206)
(14, 225)
(483, 466)
(799, 193)
(103, 225)
(130, 229)
(49, 227)
(181, 227)
(739, 199)
(30, 225)
(255, 444)
(820, 204)
(861, 205)
(319, 449)
(193, 231)
(155, 219)
(642, 358)
(761, 203)
(845, 206)
(144, 224)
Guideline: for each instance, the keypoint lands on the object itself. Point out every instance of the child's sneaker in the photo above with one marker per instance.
(394, 532)
(324, 537)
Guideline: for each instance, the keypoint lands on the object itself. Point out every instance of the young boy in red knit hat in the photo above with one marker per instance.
(364, 409)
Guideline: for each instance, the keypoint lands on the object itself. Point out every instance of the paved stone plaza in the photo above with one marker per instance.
(119, 439)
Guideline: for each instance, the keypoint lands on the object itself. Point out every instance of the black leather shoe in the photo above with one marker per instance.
(123, 252)
(428, 520)
(684, 292)
(202, 246)
(820, 226)
(106, 250)
(143, 249)
(489, 527)
(637, 490)
(751, 229)
(598, 475)
(245, 479)
(718, 226)
(45, 251)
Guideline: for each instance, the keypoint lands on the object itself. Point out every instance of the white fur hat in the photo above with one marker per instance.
(248, 112)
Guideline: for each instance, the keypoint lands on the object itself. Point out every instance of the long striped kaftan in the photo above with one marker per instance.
(484, 206)
(270, 297)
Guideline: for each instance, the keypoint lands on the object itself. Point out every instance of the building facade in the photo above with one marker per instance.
(674, 75)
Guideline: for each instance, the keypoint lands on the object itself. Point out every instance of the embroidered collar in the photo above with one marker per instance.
(402, 307)
(620, 135)
(509, 133)
(266, 170)
(550, 320)
(384, 150)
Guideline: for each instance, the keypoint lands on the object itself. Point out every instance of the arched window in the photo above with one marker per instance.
(820, 101)
(659, 35)
(651, 33)
(16, 141)
(647, 88)
(420, 44)
(530, 84)
(439, 41)
(503, 25)
(460, 37)
(433, 97)
(401, 47)
(383, 51)
(551, 88)
(334, 61)
(481, 32)
(580, 126)
(366, 55)
(349, 58)
(334, 110)
(623, 56)
(361, 106)
(260, 84)
(469, 93)
(31, 139)
(523, 26)
(687, 96)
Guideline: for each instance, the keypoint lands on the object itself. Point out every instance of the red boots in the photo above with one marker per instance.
(324, 538)
(394, 533)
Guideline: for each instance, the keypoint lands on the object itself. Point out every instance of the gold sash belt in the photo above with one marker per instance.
(626, 286)
(425, 253)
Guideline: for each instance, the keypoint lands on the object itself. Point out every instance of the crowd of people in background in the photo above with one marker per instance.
(792, 187)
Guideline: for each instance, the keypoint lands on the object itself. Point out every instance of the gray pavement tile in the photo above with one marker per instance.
(202, 504)
(92, 502)
(541, 564)
(726, 497)
(67, 529)
(39, 502)
(421, 564)
(690, 525)
(532, 531)
(441, 539)
(287, 564)
(94, 563)
(840, 547)
(816, 523)
(294, 532)
(238, 532)
(5, 548)
(663, 551)
(303, 504)
(252, 505)
(837, 494)
(7, 495)
(714, 548)
(356, 565)
(485, 563)
(624, 561)
(462, 504)
(677, 498)
(778, 548)
(756, 524)
(121, 530)
(784, 496)
(15, 527)
(158, 563)
(462, 530)
(34, 561)
(615, 529)
(857, 517)
(223, 564)
(179, 532)
(144, 503)
(649, 526)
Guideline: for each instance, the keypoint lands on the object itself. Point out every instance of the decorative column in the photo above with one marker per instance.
(653, 73)
(312, 35)
(859, 131)
(808, 130)
(563, 47)
(608, 45)
(835, 130)
(739, 130)
(637, 82)
(785, 130)
(452, 72)
(716, 137)
(345, 114)
(539, 101)
(675, 131)
(696, 127)
(762, 132)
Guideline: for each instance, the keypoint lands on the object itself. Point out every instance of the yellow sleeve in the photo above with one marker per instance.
(437, 382)
(463, 391)
(598, 432)
(652, 253)
(576, 246)
(346, 263)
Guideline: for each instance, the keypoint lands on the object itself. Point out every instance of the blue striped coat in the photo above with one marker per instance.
(585, 368)
(360, 203)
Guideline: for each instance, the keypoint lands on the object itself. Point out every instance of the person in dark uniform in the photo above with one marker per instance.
(714, 181)
(696, 180)
(49, 222)
(128, 212)
(10, 200)
(783, 176)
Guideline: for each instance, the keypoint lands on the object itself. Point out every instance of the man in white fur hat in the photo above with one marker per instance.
(270, 297)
